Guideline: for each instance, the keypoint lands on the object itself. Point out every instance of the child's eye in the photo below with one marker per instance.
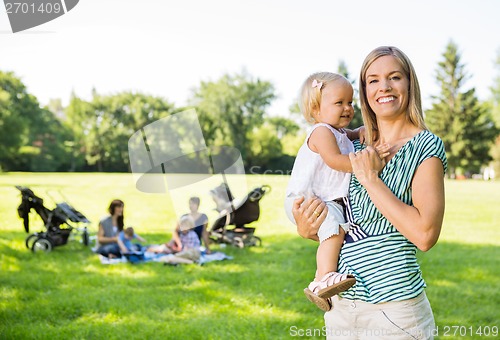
(338, 103)
(350, 103)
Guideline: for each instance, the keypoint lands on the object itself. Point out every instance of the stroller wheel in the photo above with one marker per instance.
(255, 241)
(238, 242)
(42, 244)
(30, 240)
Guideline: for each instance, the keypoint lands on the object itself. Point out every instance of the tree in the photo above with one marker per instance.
(31, 138)
(494, 107)
(230, 108)
(456, 116)
(103, 126)
(15, 106)
(357, 121)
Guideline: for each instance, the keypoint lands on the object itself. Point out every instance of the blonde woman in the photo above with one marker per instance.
(392, 212)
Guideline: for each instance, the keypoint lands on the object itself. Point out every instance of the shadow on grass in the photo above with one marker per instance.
(256, 295)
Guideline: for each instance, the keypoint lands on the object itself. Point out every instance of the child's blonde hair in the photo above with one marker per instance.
(186, 222)
(310, 97)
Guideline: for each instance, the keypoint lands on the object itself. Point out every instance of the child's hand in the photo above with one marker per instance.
(361, 131)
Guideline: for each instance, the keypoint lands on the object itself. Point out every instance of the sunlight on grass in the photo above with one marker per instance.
(68, 293)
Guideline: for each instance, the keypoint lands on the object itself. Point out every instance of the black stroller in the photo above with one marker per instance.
(237, 214)
(53, 221)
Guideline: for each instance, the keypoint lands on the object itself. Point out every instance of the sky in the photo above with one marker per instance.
(166, 48)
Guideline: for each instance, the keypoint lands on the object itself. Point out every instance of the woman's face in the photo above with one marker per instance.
(118, 210)
(193, 207)
(387, 87)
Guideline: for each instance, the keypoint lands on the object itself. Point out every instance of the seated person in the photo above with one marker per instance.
(109, 227)
(186, 248)
(125, 238)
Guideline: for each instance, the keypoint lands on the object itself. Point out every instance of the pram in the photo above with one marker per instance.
(237, 214)
(53, 220)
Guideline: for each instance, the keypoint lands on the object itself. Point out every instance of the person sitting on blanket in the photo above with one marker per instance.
(186, 247)
(125, 238)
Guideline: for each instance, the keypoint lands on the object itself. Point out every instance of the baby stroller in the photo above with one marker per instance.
(56, 222)
(238, 214)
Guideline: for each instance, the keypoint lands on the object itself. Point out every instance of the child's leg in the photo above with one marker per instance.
(327, 256)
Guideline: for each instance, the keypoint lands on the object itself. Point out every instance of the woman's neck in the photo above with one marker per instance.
(396, 131)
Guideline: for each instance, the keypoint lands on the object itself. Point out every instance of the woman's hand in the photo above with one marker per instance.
(308, 216)
(366, 165)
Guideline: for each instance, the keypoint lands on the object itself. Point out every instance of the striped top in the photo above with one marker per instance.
(383, 260)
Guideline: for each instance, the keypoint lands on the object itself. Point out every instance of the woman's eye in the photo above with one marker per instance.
(372, 81)
(395, 78)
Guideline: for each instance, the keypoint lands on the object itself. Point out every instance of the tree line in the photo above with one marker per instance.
(92, 135)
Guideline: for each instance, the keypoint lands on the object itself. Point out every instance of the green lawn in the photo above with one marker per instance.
(69, 294)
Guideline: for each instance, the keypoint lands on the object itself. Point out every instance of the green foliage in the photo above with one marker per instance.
(494, 106)
(465, 127)
(69, 294)
(31, 138)
(103, 126)
(230, 108)
(357, 121)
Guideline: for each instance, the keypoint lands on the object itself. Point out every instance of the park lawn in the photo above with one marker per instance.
(69, 294)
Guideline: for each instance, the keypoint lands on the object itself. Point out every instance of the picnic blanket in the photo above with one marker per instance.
(153, 257)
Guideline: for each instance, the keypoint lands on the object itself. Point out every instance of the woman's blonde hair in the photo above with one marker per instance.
(414, 113)
(310, 97)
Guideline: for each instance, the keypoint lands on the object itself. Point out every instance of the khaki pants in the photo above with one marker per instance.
(408, 319)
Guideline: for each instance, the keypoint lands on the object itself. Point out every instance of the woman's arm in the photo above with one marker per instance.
(206, 239)
(420, 223)
(103, 239)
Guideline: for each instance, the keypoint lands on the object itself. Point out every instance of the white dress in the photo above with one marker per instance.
(311, 176)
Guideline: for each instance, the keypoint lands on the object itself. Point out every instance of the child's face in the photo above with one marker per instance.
(336, 105)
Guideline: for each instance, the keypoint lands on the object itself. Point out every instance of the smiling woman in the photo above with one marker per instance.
(380, 248)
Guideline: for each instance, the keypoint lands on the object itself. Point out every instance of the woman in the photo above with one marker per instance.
(200, 222)
(392, 212)
(109, 228)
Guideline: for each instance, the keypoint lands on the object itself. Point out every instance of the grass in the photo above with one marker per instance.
(68, 293)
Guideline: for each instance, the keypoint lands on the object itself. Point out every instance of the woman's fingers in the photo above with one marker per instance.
(306, 214)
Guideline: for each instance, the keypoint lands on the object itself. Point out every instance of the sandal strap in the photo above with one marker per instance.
(327, 280)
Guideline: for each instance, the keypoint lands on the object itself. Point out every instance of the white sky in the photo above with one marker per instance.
(165, 48)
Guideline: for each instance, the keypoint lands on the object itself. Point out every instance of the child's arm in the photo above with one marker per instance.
(123, 249)
(358, 133)
(323, 141)
(175, 236)
(139, 238)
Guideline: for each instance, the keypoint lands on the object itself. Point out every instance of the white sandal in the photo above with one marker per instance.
(331, 284)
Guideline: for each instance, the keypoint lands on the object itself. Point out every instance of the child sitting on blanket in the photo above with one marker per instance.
(125, 238)
(187, 247)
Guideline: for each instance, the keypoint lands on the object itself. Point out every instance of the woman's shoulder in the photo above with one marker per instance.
(429, 140)
(105, 219)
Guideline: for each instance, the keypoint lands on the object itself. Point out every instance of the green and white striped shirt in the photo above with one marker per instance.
(382, 260)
